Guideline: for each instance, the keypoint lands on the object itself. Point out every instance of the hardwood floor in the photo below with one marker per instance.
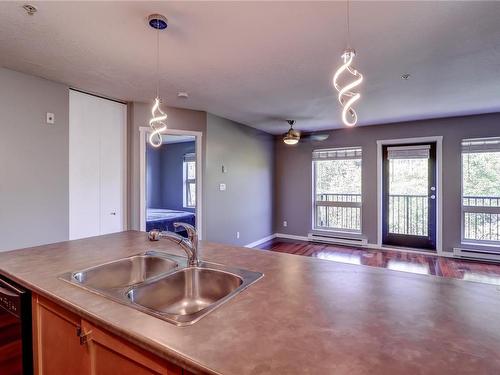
(483, 272)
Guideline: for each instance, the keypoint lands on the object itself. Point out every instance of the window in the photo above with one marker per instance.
(481, 191)
(189, 167)
(337, 189)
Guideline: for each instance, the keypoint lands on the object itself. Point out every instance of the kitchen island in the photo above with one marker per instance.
(305, 316)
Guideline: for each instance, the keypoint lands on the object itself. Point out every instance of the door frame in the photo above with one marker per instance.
(144, 132)
(439, 184)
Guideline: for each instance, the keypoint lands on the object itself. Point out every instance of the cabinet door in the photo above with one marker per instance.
(111, 355)
(56, 345)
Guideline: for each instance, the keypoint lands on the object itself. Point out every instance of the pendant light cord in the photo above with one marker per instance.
(348, 25)
(158, 58)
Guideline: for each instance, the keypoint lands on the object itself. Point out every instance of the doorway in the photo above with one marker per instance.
(409, 195)
(171, 181)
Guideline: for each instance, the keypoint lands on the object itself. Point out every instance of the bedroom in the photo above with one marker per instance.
(171, 183)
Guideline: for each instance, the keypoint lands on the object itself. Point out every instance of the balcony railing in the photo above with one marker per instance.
(409, 214)
(340, 212)
(481, 218)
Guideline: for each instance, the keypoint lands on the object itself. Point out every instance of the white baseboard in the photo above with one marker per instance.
(292, 237)
(261, 241)
(347, 239)
(467, 253)
(408, 250)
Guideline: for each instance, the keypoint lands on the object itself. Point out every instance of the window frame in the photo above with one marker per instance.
(471, 209)
(185, 183)
(341, 231)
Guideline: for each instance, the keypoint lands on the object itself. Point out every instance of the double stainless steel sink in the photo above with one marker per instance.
(162, 284)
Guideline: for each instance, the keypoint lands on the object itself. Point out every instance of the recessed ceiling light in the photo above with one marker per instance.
(30, 9)
(182, 95)
(405, 76)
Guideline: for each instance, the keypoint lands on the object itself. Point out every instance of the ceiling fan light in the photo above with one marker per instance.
(291, 137)
(290, 140)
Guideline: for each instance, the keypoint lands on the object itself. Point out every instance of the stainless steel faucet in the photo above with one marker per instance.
(189, 244)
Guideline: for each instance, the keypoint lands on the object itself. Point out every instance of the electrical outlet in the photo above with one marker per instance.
(285, 223)
(222, 187)
(237, 234)
(51, 118)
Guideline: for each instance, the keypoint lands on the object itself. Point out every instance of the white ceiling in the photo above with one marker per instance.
(262, 62)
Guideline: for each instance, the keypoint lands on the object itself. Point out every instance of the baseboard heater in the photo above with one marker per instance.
(477, 254)
(338, 239)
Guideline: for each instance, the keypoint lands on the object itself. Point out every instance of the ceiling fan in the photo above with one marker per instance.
(292, 136)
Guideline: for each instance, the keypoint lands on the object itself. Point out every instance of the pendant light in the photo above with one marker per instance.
(346, 96)
(158, 117)
(292, 136)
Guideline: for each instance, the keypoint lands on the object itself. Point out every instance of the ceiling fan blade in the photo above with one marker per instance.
(315, 137)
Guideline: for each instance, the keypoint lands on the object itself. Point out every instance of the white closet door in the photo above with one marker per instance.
(112, 150)
(84, 188)
(97, 165)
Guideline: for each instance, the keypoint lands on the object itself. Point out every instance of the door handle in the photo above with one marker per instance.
(113, 213)
(7, 292)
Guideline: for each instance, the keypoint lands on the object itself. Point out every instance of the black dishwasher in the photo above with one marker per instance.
(16, 349)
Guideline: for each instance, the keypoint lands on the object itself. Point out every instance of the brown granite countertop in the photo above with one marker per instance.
(306, 316)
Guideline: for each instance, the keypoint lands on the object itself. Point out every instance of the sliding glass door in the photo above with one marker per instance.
(409, 195)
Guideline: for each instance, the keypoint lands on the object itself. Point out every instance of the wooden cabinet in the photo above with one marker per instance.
(56, 345)
(66, 344)
(111, 355)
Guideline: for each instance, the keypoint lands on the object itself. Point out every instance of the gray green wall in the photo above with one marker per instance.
(293, 187)
(247, 204)
(34, 161)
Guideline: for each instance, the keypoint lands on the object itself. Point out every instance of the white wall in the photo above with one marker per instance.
(33, 161)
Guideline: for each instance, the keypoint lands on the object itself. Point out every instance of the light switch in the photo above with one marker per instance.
(51, 118)
(224, 169)
(222, 187)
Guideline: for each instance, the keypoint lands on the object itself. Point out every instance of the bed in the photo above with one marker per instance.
(164, 219)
